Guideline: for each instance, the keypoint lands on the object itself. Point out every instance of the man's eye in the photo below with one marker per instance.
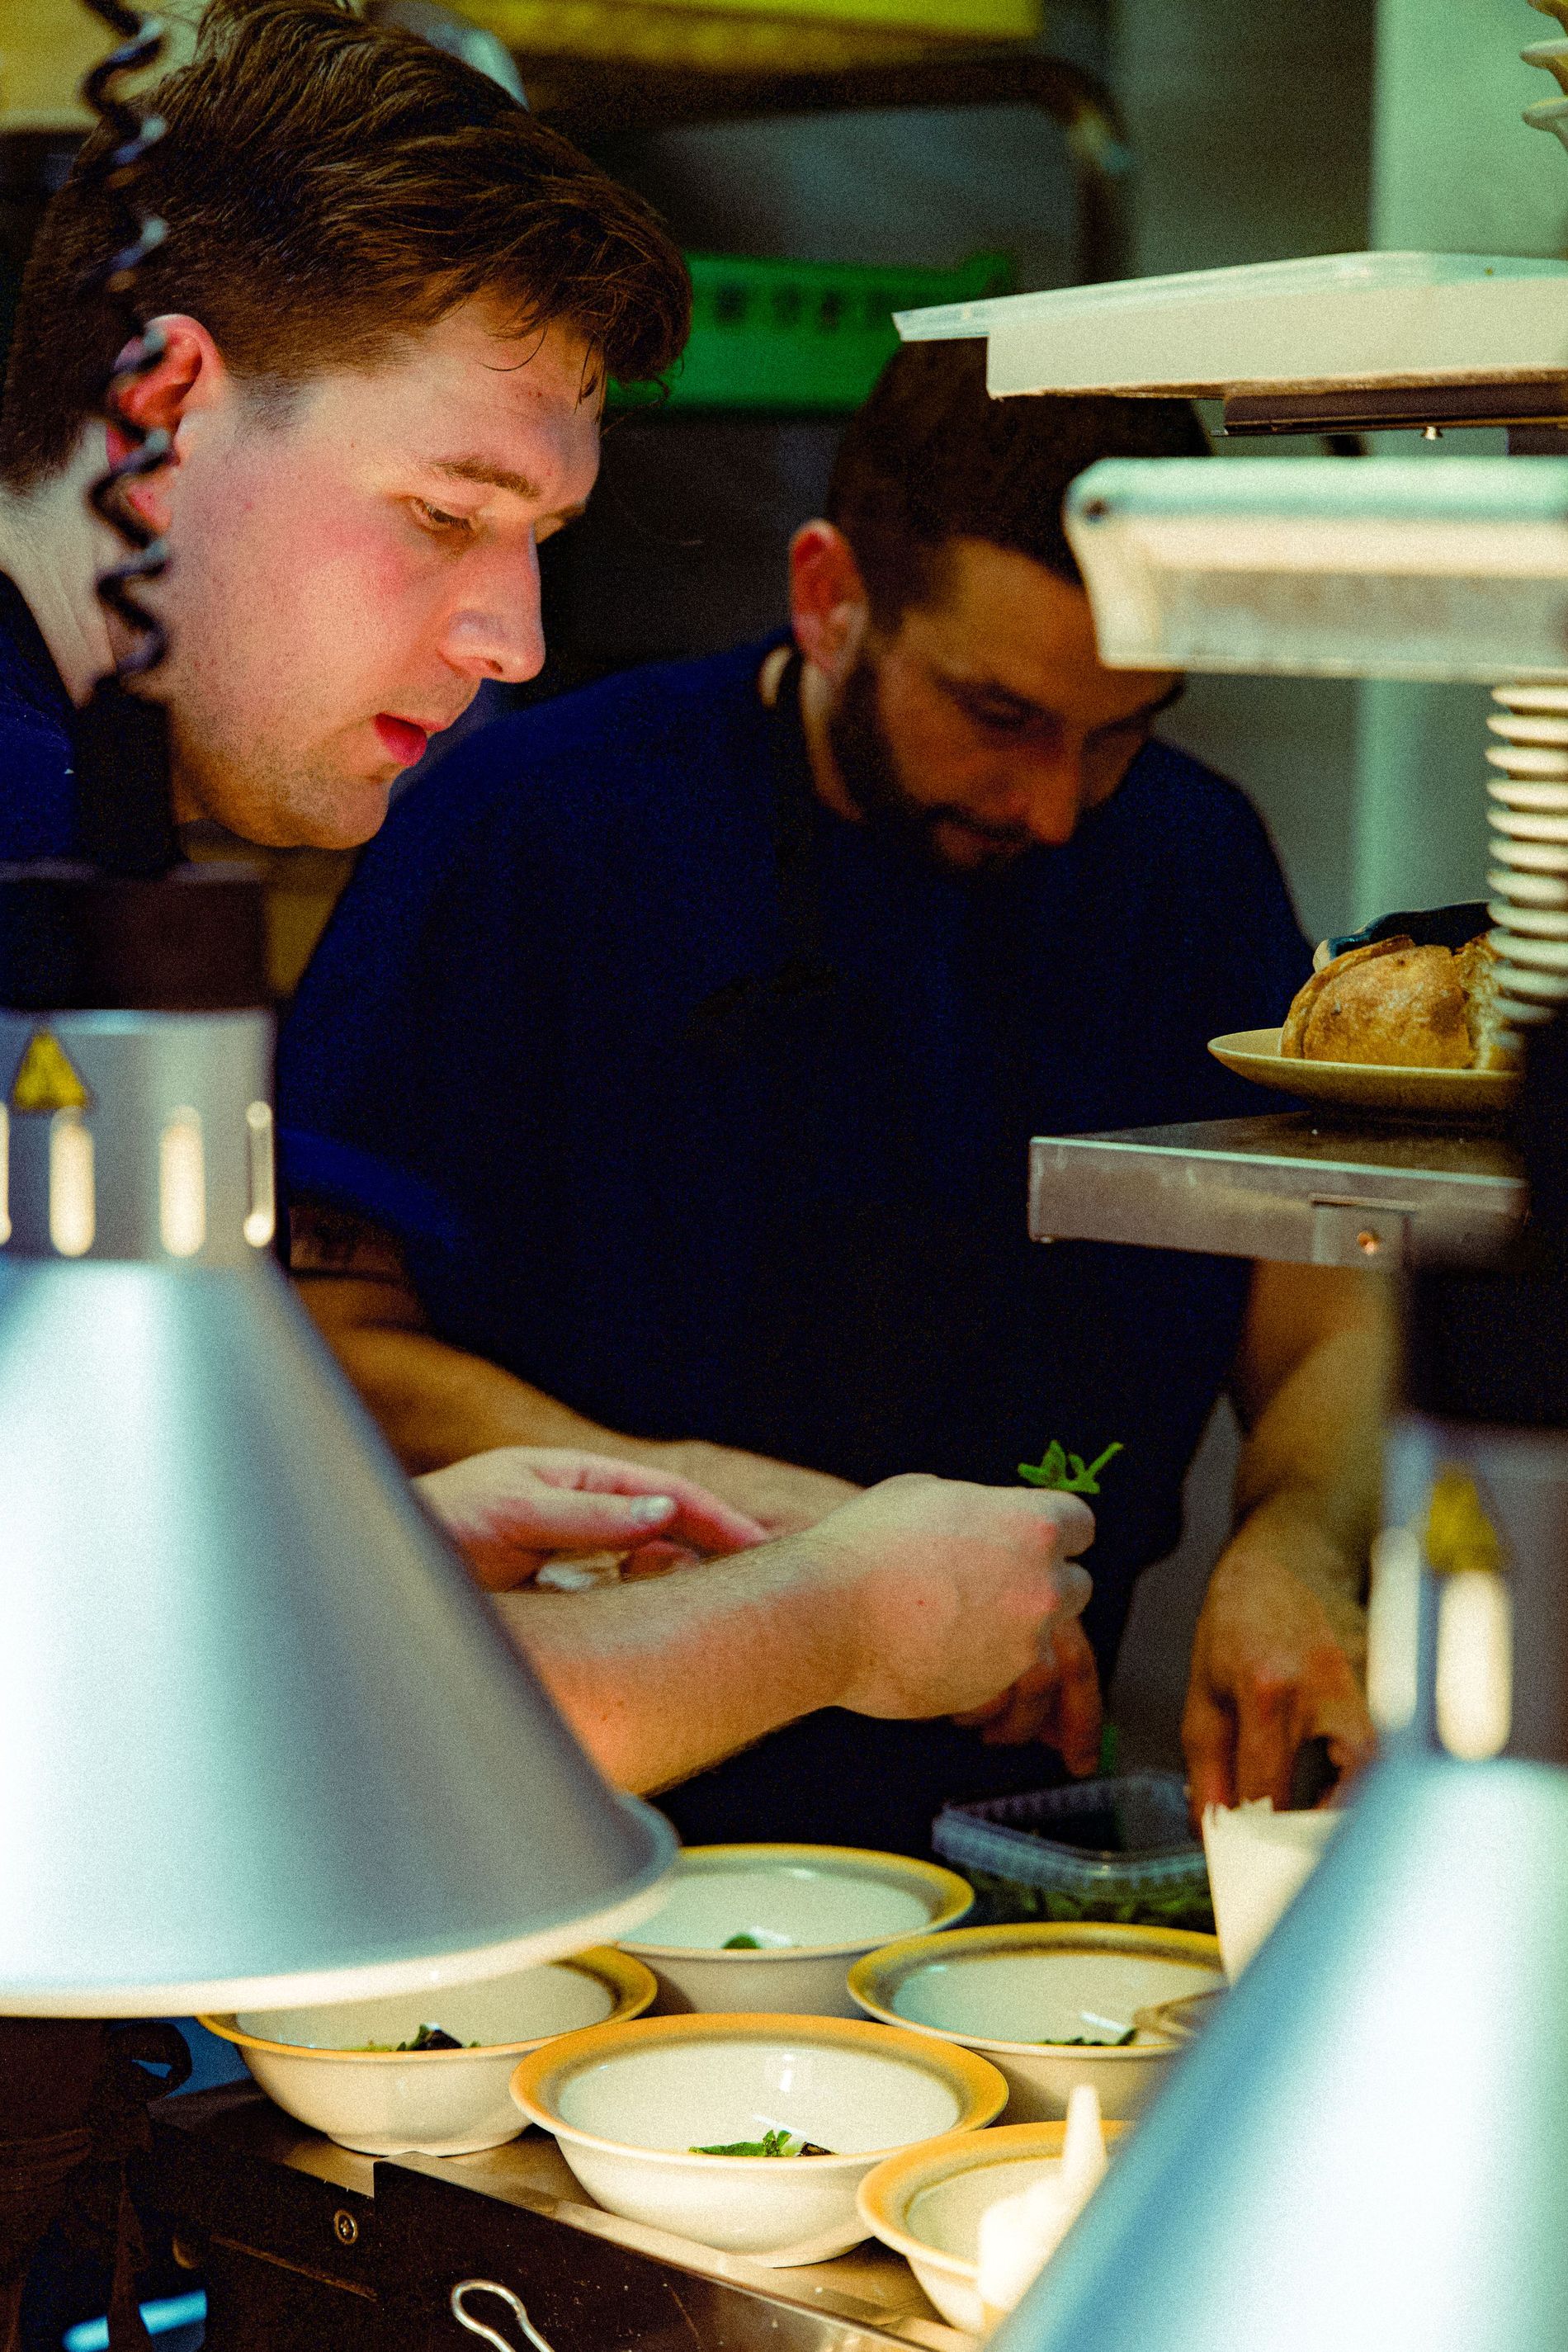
(443, 525)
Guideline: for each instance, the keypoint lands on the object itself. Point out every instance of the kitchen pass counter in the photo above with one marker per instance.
(307, 2245)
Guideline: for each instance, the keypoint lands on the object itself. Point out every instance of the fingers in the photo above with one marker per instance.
(1209, 1743)
(1080, 1712)
(657, 1558)
(1267, 1729)
(1347, 1726)
(1024, 1713)
(1074, 1585)
(699, 1519)
(1068, 1514)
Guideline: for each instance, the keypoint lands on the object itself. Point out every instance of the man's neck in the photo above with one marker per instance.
(815, 712)
(53, 547)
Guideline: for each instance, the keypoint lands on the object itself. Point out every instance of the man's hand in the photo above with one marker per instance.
(949, 1592)
(510, 1510)
(782, 1497)
(1056, 1703)
(1268, 1675)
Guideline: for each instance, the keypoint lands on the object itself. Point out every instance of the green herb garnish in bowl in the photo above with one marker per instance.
(429, 2037)
(1064, 1472)
(772, 2143)
(740, 1944)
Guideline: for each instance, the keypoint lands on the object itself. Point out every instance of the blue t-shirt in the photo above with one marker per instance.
(546, 1040)
(38, 790)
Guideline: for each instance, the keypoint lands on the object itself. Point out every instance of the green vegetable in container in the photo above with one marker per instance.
(429, 2037)
(1092, 2042)
(1064, 1472)
(740, 1944)
(773, 2143)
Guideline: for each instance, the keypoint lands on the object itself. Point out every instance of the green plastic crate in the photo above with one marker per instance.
(804, 338)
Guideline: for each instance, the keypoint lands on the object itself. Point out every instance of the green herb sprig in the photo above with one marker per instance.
(1064, 1472)
(772, 2143)
(1093, 2041)
(429, 2037)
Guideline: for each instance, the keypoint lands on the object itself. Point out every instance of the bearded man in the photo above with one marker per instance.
(664, 1086)
(386, 308)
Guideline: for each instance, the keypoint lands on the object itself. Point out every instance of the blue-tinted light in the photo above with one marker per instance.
(158, 2319)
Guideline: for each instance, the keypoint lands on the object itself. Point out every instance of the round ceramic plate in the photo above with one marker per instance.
(1365, 1085)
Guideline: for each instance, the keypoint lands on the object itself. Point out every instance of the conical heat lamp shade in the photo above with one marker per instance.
(261, 1739)
(1365, 2150)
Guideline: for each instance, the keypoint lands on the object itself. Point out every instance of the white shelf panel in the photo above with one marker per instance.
(1334, 320)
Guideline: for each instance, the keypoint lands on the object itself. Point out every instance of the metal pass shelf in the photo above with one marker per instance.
(1285, 1186)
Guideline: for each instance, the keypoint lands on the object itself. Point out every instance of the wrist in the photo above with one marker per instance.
(1251, 1566)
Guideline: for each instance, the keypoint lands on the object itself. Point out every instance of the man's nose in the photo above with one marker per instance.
(1050, 801)
(497, 628)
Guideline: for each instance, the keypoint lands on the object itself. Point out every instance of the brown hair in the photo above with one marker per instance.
(932, 457)
(331, 185)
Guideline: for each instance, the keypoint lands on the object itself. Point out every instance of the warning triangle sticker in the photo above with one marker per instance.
(1459, 1534)
(45, 1079)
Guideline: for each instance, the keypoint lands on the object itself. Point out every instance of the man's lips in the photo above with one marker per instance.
(402, 739)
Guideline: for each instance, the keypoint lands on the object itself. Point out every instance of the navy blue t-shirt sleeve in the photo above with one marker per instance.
(399, 1065)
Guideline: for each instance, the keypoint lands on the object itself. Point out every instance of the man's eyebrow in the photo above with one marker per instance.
(495, 477)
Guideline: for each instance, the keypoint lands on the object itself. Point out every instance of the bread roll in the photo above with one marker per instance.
(1401, 1007)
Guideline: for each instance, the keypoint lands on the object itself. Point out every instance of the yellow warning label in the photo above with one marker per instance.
(45, 1080)
(1459, 1534)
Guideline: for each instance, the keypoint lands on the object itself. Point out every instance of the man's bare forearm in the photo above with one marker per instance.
(757, 1636)
(437, 1404)
(1307, 1491)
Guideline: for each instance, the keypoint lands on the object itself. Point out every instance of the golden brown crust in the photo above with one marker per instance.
(1292, 1036)
(1402, 1007)
(1403, 1010)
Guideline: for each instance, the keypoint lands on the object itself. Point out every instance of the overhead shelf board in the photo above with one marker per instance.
(1371, 567)
(738, 36)
(1334, 320)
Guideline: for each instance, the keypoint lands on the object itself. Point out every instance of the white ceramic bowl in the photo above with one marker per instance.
(1023, 1993)
(926, 2203)
(393, 2102)
(631, 2106)
(813, 1910)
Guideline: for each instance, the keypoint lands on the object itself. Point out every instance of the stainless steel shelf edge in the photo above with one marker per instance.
(1284, 1186)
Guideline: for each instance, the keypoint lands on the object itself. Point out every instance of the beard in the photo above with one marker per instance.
(869, 770)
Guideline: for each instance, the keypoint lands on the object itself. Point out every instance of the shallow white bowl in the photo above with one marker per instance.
(926, 2203)
(428, 2102)
(631, 2104)
(1022, 1993)
(812, 1909)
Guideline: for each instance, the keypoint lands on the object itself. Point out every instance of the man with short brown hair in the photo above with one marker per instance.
(669, 1071)
(389, 304)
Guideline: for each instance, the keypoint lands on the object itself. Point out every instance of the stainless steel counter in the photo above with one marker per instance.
(374, 2247)
(1285, 1186)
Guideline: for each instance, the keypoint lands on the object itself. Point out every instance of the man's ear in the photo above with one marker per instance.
(189, 379)
(829, 603)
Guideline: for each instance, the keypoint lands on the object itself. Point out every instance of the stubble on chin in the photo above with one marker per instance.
(274, 801)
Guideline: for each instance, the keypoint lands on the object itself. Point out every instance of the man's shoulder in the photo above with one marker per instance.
(36, 791)
(639, 736)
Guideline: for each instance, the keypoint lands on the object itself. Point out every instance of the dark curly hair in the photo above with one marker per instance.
(932, 458)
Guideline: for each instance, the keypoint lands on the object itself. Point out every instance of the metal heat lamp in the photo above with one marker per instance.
(261, 1742)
